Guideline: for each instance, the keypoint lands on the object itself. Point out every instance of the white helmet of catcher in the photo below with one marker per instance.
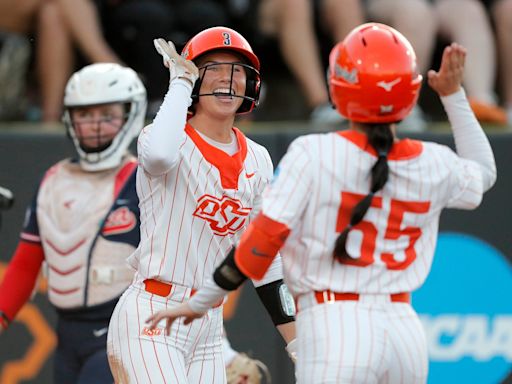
(106, 83)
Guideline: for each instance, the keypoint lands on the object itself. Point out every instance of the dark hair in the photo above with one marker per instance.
(381, 139)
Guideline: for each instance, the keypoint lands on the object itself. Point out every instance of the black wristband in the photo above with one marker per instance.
(227, 275)
(278, 301)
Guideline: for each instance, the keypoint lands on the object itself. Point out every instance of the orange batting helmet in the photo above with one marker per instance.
(373, 75)
(223, 38)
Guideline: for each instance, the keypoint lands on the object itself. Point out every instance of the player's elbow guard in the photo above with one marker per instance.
(278, 302)
(227, 275)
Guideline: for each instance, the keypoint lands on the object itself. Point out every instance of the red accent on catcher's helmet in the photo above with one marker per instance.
(373, 75)
(224, 38)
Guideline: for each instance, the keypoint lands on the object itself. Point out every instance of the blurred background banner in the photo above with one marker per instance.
(466, 316)
(465, 304)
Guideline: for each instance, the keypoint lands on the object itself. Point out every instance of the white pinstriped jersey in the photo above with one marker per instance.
(320, 180)
(194, 214)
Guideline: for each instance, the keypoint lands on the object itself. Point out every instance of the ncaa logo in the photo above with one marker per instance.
(466, 310)
(225, 215)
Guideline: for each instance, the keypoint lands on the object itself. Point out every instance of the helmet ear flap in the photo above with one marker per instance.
(252, 93)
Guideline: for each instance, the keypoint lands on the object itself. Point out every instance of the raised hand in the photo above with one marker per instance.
(179, 68)
(448, 79)
(172, 314)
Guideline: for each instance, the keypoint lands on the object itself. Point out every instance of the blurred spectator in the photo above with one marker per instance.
(120, 31)
(128, 27)
(16, 20)
(131, 25)
(293, 23)
(501, 11)
(406, 16)
(466, 22)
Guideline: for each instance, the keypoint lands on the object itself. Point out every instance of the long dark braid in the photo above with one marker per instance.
(381, 138)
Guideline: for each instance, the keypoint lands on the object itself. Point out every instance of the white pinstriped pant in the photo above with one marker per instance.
(368, 341)
(189, 355)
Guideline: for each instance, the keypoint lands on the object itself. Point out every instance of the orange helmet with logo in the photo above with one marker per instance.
(223, 38)
(373, 75)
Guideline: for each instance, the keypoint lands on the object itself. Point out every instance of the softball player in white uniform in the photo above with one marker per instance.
(83, 222)
(199, 184)
(356, 215)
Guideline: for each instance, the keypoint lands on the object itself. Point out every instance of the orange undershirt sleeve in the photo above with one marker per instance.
(259, 246)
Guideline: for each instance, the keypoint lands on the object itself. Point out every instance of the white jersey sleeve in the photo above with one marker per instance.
(470, 140)
(287, 196)
(158, 144)
(464, 178)
(275, 271)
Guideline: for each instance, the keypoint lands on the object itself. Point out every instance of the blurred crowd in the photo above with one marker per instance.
(43, 41)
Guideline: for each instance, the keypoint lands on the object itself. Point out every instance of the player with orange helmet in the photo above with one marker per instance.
(354, 246)
(373, 76)
(220, 38)
(200, 183)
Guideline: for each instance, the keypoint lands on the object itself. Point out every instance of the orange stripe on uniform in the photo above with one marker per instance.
(259, 245)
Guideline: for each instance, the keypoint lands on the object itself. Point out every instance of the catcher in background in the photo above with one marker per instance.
(83, 222)
(199, 183)
(356, 213)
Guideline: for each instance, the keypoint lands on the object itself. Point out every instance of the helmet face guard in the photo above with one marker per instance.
(97, 85)
(252, 86)
(106, 128)
(373, 75)
(226, 39)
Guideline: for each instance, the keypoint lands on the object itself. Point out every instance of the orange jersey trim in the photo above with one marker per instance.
(123, 175)
(259, 246)
(404, 149)
(229, 166)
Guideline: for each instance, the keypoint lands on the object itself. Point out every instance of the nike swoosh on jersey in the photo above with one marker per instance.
(249, 175)
(255, 252)
(122, 201)
(99, 332)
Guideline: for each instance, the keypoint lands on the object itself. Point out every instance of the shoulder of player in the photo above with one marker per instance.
(431, 147)
(311, 143)
(55, 168)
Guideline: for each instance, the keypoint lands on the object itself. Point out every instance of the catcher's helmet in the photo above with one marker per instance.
(373, 75)
(223, 38)
(106, 83)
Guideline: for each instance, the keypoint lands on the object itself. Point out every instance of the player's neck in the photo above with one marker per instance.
(215, 129)
(359, 128)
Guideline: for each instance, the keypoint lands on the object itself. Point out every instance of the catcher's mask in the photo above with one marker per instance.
(373, 76)
(105, 84)
(226, 39)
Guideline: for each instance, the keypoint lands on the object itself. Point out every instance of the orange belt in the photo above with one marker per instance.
(329, 296)
(160, 288)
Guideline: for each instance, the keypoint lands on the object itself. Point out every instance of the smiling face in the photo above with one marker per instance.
(96, 126)
(222, 77)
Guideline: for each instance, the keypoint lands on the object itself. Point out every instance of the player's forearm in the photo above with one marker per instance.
(159, 143)
(20, 278)
(287, 331)
(206, 297)
(226, 278)
(470, 140)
